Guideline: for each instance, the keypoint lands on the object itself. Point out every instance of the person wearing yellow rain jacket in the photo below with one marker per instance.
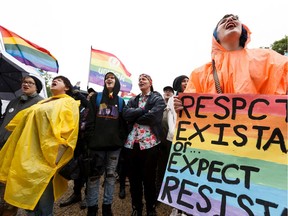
(43, 140)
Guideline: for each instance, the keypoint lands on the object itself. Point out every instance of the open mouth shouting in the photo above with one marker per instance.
(230, 25)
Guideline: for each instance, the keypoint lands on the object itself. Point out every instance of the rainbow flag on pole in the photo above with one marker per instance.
(102, 62)
(27, 52)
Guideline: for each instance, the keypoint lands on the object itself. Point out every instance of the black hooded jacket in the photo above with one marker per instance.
(152, 114)
(105, 127)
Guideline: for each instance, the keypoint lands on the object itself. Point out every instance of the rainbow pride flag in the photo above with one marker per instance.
(27, 52)
(102, 62)
(127, 95)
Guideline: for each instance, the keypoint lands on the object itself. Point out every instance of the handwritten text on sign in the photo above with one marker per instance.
(229, 156)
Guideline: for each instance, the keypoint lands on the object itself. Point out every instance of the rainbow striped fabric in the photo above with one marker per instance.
(28, 52)
(227, 160)
(102, 62)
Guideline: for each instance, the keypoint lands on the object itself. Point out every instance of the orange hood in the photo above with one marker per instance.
(251, 71)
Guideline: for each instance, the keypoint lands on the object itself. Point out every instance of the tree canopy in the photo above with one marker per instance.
(281, 46)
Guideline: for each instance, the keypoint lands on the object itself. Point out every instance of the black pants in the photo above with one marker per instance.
(79, 183)
(142, 166)
(122, 169)
(164, 152)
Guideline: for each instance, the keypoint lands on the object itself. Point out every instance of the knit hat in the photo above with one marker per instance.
(38, 83)
(177, 83)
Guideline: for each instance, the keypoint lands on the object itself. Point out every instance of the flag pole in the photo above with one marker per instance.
(1, 42)
(89, 67)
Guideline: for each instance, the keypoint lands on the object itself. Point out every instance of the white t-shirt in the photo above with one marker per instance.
(171, 118)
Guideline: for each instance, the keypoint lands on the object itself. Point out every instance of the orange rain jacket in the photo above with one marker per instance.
(246, 71)
(27, 160)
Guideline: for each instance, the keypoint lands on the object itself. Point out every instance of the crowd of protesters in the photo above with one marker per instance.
(39, 137)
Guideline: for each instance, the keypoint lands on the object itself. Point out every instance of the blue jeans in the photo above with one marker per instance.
(106, 163)
(45, 205)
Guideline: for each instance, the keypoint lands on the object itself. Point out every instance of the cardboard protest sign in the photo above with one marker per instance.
(229, 156)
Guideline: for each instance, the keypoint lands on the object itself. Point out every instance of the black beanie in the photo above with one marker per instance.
(177, 83)
(38, 83)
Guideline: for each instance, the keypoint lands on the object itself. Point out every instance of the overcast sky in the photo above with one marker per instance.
(163, 38)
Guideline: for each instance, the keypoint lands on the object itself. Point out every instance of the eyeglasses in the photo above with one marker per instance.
(28, 83)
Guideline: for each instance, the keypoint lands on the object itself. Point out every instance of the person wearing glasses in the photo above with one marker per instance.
(42, 141)
(31, 87)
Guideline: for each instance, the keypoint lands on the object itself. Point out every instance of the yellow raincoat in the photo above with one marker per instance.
(251, 71)
(27, 160)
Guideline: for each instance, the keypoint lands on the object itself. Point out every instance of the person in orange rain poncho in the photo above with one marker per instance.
(238, 69)
(43, 140)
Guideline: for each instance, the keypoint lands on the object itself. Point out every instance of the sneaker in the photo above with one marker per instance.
(174, 212)
(92, 211)
(136, 212)
(152, 213)
(71, 200)
(10, 210)
(151, 210)
(1, 208)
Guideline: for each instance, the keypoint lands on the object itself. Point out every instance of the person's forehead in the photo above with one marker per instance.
(110, 76)
(28, 79)
(143, 77)
(230, 15)
(226, 17)
(168, 90)
(58, 79)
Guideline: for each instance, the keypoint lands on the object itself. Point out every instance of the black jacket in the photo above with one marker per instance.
(106, 130)
(15, 106)
(151, 115)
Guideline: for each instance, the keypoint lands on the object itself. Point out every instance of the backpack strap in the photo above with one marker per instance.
(120, 101)
(98, 99)
(216, 79)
